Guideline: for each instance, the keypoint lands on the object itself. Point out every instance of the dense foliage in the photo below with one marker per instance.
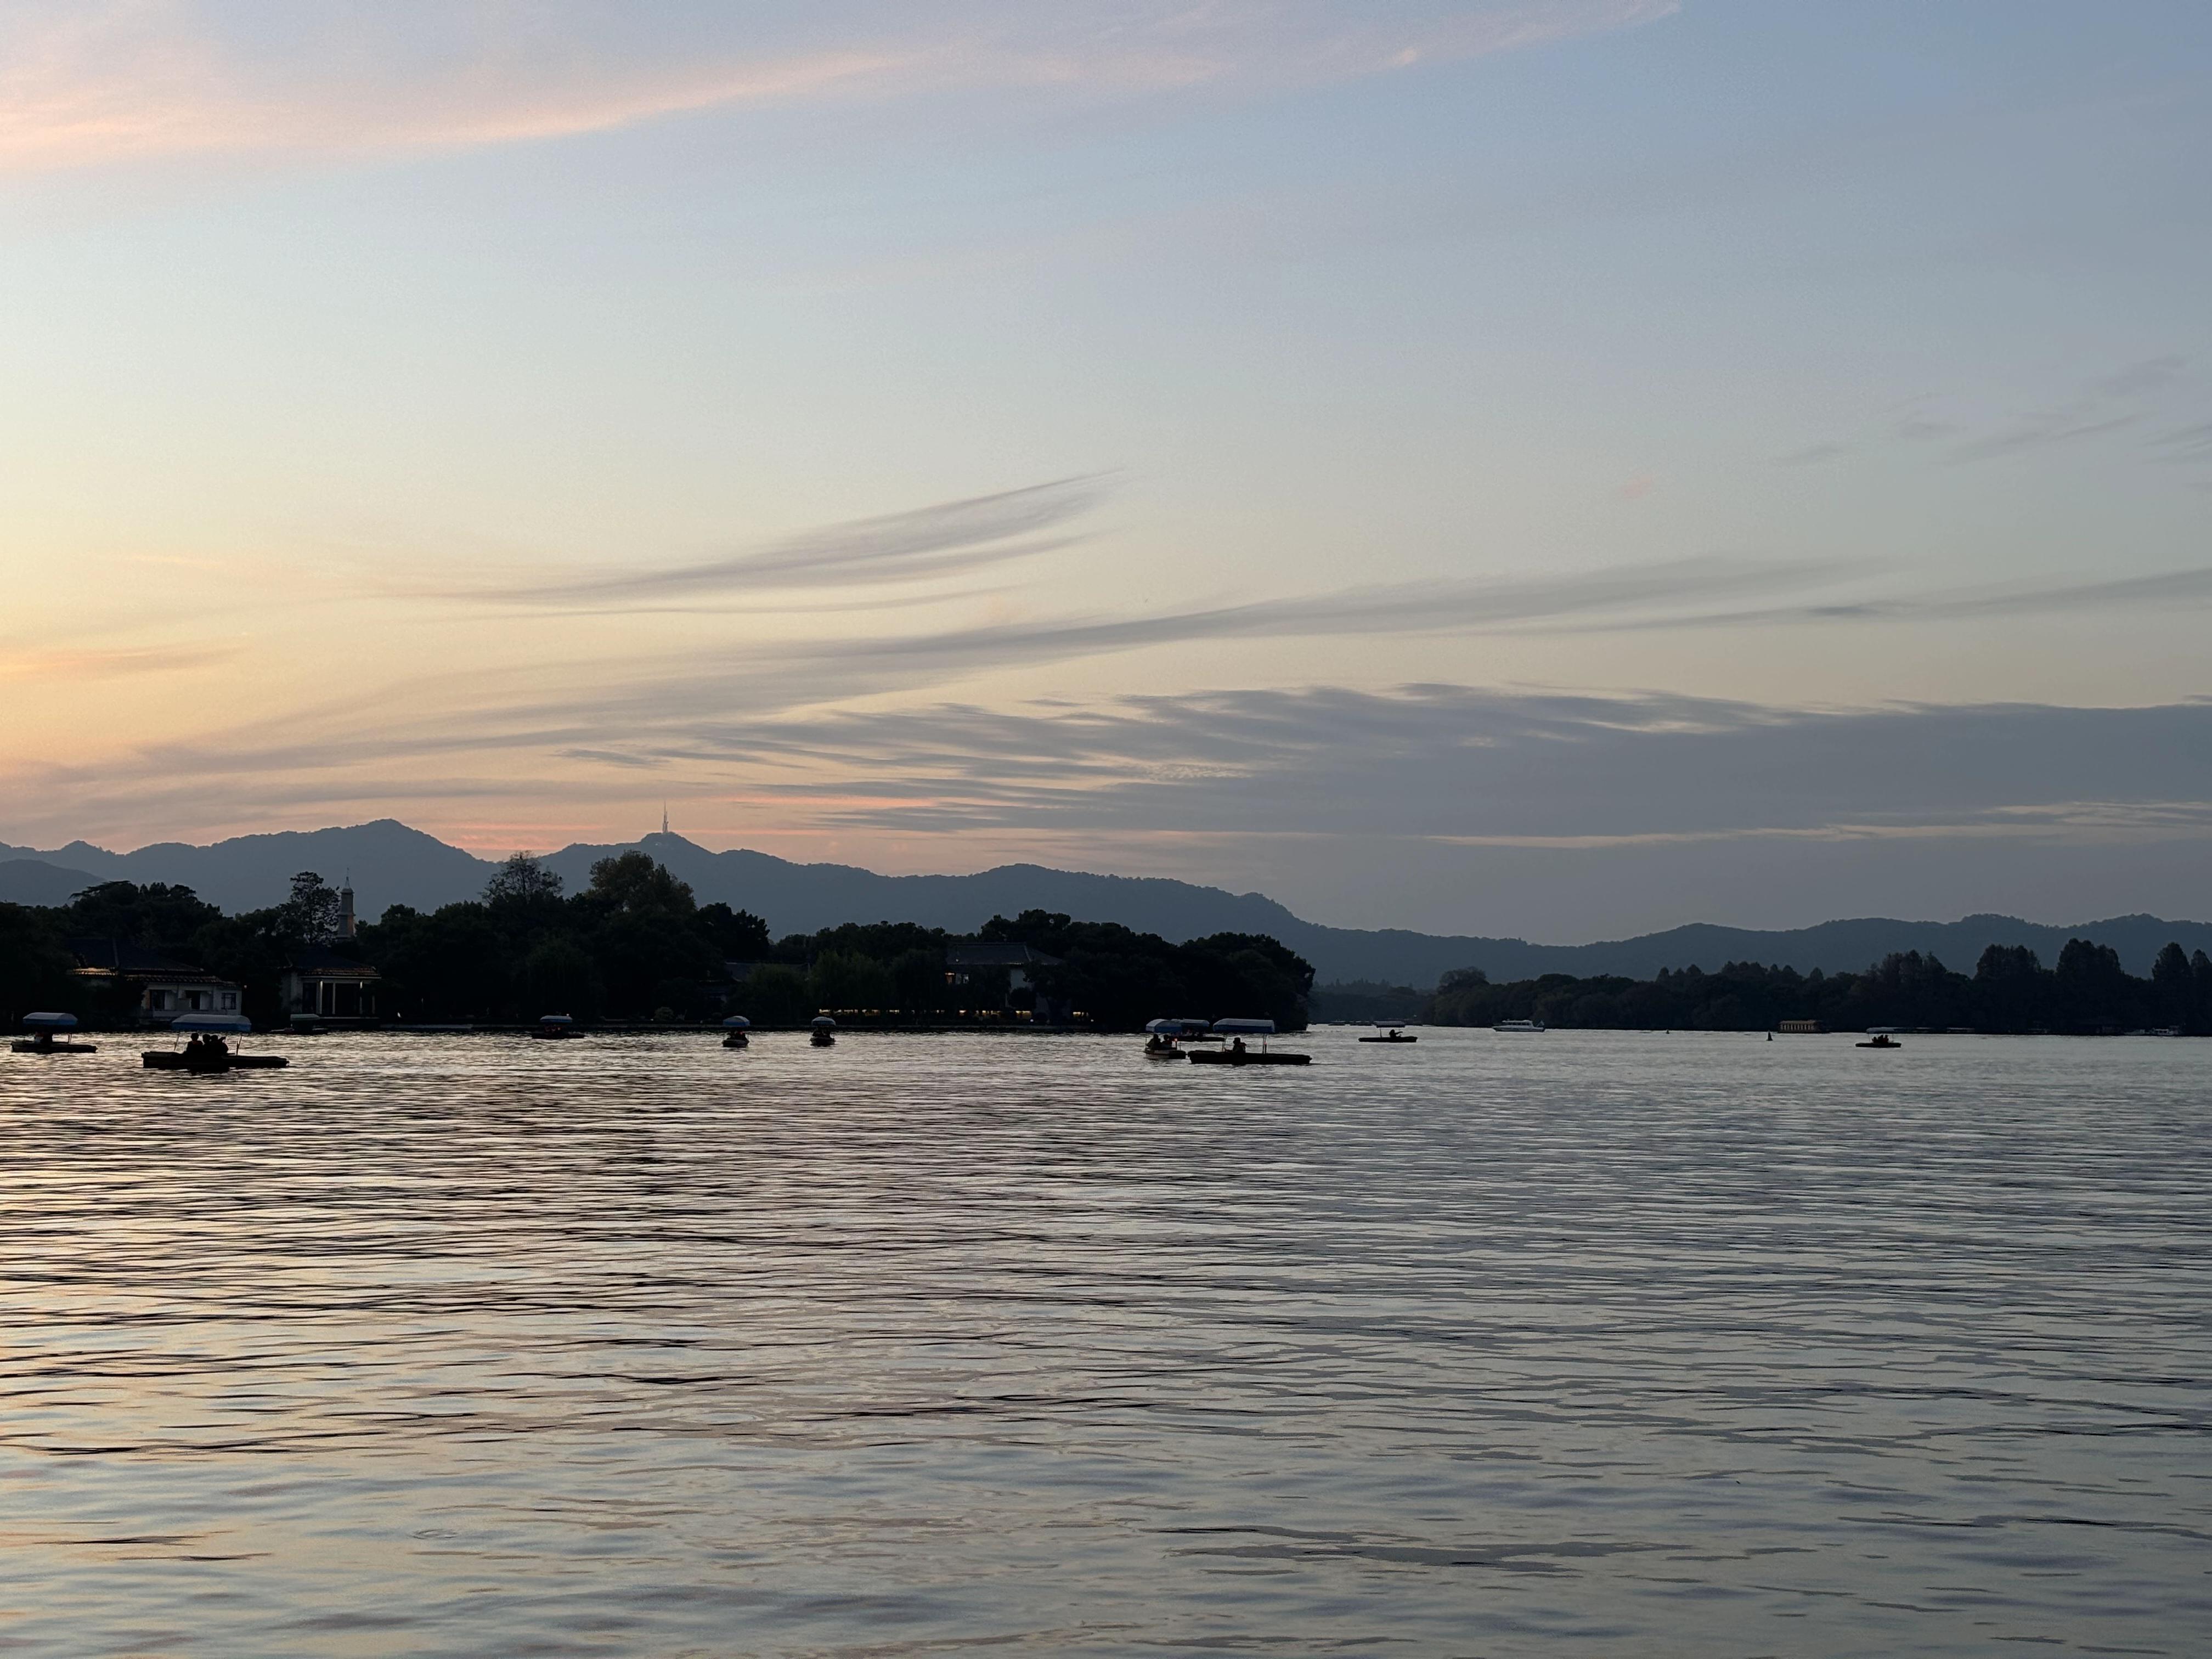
(2011, 990)
(636, 946)
(1120, 978)
(250, 949)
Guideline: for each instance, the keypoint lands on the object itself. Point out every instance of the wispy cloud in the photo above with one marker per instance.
(47, 664)
(768, 709)
(2165, 587)
(2133, 395)
(92, 82)
(1469, 764)
(951, 538)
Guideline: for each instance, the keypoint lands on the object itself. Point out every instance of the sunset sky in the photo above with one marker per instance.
(1562, 467)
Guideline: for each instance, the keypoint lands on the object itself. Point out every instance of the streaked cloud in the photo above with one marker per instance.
(706, 710)
(951, 538)
(22, 664)
(1469, 765)
(2161, 588)
(93, 82)
(2132, 396)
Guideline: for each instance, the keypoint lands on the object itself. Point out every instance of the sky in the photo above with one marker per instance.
(1553, 467)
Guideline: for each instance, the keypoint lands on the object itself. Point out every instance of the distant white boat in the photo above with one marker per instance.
(1517, 1025)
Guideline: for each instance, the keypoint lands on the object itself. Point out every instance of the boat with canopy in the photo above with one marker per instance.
(1162, 1035)
(207, 1047)
(1234, 1031)
(734, 1029)
(47, 1037)
(825, 1031)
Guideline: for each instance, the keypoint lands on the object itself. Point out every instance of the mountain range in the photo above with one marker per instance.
(388, 863)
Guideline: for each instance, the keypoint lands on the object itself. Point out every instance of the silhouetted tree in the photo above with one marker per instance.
(2013, 991)
(738, 935)
(34, 968)
(775, 995)
(522, 881)
(2175, 985)
(310, 915)
(637, 883)
(558, 978)
(2091, 985)
(852, 983)
(157, 914)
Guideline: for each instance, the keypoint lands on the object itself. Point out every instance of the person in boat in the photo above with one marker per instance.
(1157, 1043)
(1236, 1046)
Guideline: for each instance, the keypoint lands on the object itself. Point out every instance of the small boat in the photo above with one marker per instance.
(44, 1038)
(1390, 1034)
(1162, 1035)
(825, 1031)
(553, 1026)
(737, 1025)
(208, 1048)
(1880, 1040)
(1236, 1053)
(1513, 1027)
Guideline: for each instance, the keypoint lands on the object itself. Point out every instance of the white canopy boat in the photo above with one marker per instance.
(1236, 1053)
(207, 1048)
(45, 1036)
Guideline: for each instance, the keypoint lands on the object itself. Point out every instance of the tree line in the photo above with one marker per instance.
(635, 945)
(2085, 992)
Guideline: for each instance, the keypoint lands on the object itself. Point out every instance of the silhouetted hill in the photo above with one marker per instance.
(34, 881)
(1832, 946)
(391, 864)
(804, 899)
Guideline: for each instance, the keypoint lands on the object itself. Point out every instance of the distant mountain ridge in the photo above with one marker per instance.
(388, 863)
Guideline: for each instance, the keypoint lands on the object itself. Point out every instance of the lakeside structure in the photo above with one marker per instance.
(149, 986)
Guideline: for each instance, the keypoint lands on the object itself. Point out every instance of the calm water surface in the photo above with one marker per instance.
(1578, 1343)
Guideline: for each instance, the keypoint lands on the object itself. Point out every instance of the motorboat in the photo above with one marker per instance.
(1515, 1027)
(207, 1049)
(735, 1028)
(553, 1026)
(1880, 1040)
(1390, 1034)
(825, 1031)
(1235, 1052)
(46, 1036)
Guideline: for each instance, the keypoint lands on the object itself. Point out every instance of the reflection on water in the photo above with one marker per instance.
(1586, 1343)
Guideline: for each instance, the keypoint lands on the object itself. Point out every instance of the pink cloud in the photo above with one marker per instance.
(89, 83)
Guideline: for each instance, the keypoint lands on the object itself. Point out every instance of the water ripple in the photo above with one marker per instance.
(1595, 1343)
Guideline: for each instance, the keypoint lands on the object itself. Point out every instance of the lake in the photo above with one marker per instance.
(1584, 1343)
